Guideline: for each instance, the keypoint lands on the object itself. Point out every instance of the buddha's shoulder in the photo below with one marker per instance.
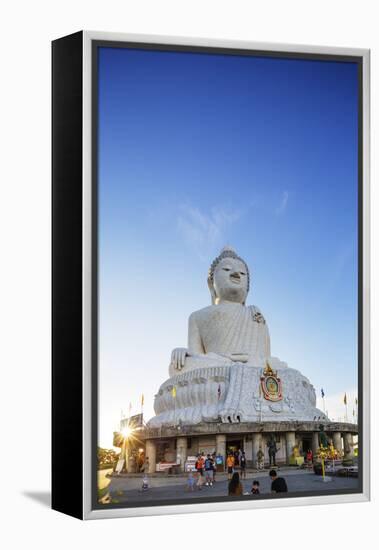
(202, 313)
(212, 310)
(224, 309)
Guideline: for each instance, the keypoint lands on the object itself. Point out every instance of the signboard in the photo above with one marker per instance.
(135, 421)
(163, 466)
(190, 464)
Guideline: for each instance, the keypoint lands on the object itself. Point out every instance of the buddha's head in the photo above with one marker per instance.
(228, 278)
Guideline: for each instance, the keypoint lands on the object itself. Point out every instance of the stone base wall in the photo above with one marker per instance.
(209, 438)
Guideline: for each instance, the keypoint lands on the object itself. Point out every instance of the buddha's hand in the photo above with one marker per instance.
(178, 357)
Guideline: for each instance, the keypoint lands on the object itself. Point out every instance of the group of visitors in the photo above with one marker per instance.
(205, 467)
(205, 475)
(238, 458)
(278, 485)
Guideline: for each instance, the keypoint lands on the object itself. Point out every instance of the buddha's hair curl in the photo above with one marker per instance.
(227, 252)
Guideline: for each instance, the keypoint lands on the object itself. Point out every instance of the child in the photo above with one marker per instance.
(145, 483)
(190, 482)
(255, 488)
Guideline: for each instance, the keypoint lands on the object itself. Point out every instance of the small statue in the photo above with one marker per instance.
(296, 451)
(322, 437)
(260, 459)
(272, 450)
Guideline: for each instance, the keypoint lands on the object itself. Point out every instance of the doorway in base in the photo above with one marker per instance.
(234, 446)
(306, 444)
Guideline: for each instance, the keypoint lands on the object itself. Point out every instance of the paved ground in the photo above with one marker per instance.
(124, 489)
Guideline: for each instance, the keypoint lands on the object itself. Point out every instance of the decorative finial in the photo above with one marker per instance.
(228, 248)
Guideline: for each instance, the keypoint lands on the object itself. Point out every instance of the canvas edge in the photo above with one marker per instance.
(88, 512)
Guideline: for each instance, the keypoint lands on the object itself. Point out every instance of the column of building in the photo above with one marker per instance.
(348, 449)
(315, 444)
(257, 444)
(247, 447)
(151, 455)
(337, 441)
(181, 452)
(221, 446)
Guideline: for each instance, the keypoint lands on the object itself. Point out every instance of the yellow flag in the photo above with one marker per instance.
(173, 393)
(345, 399)
(142, 399)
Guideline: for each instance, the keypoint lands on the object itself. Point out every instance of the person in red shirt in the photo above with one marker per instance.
(200, 470)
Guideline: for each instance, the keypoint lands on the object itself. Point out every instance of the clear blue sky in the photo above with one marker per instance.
(197, 151)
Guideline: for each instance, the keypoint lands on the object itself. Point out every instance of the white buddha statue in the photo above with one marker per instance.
(228, 330)
(227, 373)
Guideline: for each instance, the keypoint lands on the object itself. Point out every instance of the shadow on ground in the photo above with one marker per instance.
(42, 497)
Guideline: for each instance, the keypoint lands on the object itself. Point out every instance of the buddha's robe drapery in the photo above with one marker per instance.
(229, 329)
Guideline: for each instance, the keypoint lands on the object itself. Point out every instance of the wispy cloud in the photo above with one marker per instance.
(203, 231)
(283, 203)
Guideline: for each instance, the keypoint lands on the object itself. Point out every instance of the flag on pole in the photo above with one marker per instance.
(130, 408)
(353, 412)
(219, 391)
(356, 400)
(345, 399)
(322, 393)
(142, 400)
(173, 392)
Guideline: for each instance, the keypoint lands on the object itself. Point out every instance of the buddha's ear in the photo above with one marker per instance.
(212, 290)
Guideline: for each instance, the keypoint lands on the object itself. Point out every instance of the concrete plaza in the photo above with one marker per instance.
(128, 489)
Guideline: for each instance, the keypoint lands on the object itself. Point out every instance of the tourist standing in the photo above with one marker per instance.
(236, 458)
(278, 484)
(243, 465)
(208, 467)
(200, 470)
(309, 458)
(214, 459)
(235, 487)
(146, 465)
(230, 465)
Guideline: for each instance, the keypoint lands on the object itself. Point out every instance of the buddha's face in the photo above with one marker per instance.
(230, 281)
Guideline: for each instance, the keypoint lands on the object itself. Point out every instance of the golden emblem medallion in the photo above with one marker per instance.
(271, 385)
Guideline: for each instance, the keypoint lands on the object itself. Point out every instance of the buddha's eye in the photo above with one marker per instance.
(226, 268)
(242, 273)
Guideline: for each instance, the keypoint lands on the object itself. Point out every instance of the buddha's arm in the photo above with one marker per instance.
(267, 343)
(195, 346)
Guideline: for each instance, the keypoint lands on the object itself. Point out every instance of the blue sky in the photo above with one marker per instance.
(197, 151)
